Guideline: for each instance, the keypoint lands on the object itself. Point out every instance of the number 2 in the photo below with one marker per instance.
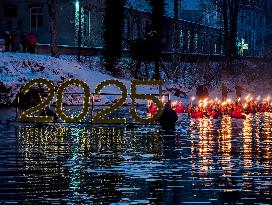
(26, 115)
(99, 117)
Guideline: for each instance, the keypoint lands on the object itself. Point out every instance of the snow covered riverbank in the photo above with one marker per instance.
(18, 68)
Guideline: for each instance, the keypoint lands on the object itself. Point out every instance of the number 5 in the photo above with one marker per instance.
(134, 96)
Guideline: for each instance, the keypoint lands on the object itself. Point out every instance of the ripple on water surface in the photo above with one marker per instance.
(205, 161)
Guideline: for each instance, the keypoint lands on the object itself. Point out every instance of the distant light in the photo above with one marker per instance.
(242, 46)
(77, 6)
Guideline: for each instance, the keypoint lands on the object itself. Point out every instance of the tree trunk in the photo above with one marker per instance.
(233, 29)
(113, 31)
(157, 17)
(176, 25)
(230, 17)
(226, 27)
(53, 27)
(175, 59)
(157, 75)
(79, 36)
(137, 69)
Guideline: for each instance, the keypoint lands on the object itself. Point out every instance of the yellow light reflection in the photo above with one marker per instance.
(202, 148)
(224, 144)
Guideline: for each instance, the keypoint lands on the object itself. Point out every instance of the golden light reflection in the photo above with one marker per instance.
(263, 142)
(224, 144)
(202, 148)
(247, 141)
(227, 154)
(53, 152)
(145, 140)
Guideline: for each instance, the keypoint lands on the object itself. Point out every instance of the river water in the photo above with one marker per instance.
(203, 162)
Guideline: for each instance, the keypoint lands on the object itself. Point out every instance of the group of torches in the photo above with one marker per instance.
(216, 108)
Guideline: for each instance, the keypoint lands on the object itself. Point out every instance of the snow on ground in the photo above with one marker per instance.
(23, 67)
(18, 68)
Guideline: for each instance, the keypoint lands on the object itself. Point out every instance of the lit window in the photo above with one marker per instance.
(88, 23)
(196, 42)
(126, 27)
(188, 40)
(181, 39)
(36, 19)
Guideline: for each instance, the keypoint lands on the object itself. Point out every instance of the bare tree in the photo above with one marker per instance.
(177, 4)
(79, 33)
(228, 11)
(53, 27)
(230, 19)
(113, 29)
(268, 39)
(155, 39)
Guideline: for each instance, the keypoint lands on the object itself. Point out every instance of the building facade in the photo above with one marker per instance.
(32, 16)
(268, 37)
(252, 22)
(252, 29)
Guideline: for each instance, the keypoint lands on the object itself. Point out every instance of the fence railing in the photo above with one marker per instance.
(93, 103)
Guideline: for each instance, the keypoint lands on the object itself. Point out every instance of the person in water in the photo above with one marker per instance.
(168, 118)
(225, 91)
(202, 92)
(238, 90)
(179, 109)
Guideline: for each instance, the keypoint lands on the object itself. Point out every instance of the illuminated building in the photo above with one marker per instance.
(32, 16)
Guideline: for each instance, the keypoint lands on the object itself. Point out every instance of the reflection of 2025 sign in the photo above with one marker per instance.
(100, 116)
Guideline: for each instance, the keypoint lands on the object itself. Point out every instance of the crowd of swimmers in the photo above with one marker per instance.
(212, 108)
(215, 108)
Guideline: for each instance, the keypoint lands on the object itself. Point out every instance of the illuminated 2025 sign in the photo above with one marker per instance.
(100, 116)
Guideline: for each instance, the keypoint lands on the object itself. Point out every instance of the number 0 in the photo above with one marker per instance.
(86, 101)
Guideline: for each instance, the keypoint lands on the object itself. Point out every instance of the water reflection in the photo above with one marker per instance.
(204, 161)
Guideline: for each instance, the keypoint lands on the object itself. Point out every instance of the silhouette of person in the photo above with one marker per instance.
(202, 92)
(23, 39)
(225, 91)
(168, 118)
(238, 90)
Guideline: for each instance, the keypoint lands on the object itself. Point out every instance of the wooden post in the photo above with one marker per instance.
(18, 101)
(92, 108)
(160, 91)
